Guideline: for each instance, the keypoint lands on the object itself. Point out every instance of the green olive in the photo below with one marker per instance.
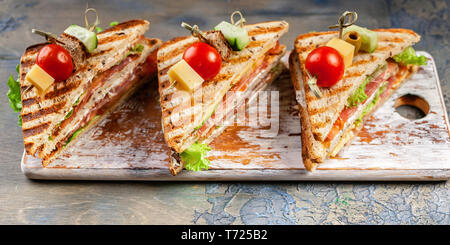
(353, 38)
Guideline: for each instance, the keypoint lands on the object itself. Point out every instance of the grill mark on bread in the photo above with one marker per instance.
(35, 130)
(363, 62)
(100, 53)
(320, 124)
(340, 89)
(28, 147)
(123, 26)
(42, 112)
(29, 102)
(62, 91)
(256, 43)
(382, 48)
(170, 42)
(219, 77)
(391, 39)
(354, 74)
(58, 146)
(176, 52)
(314, 111)
(307, 48)
(262, 30)
(27, 63)
(238, 59)
(112, 38)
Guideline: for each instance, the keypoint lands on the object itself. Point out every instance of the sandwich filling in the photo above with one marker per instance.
(107, 89)
(381, 94)
(376, 87)
(266, 69)
(362, 97)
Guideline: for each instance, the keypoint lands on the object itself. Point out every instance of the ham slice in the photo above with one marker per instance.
(371, 88)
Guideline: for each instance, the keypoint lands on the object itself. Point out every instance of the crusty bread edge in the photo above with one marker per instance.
(309, 156)
(315, 34)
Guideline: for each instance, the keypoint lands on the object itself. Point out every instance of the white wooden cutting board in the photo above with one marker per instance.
(129, 144)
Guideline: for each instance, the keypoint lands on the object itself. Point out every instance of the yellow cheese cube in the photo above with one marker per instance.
(344, 48)
(40, 79)
(185, 75)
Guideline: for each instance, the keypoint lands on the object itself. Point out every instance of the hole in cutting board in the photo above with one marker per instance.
(411, 106)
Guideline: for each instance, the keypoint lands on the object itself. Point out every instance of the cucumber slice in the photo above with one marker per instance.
(236, 36)
(369, 39)
(242, 39)
(88, 38)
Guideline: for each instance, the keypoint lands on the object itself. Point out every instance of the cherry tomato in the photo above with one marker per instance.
(56, 61)
(204, 59)
(326, 64)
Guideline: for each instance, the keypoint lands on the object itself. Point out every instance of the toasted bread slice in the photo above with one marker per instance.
(240, 95)
(183, 112)
(319, 115)
(323, 112)
(44, 119)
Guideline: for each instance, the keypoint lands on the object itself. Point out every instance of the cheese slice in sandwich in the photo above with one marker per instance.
(123, 60)
(331, 122)
(188, 117)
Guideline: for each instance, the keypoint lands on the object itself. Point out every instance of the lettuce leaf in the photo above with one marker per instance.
(409, 57)
(14, 95)
(68, 114)
(98, 29)
(137, 49)
(75, 134)
(78, 131)
(194, 157)
(371, 104)
(359, 95)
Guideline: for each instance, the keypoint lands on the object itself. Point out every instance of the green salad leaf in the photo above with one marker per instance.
(20, 120)
(137, 49)
(14, 95)
(78, 131)
(409, 57)
(75, 134)
(371, 104)
(98, 29)
(359, 95)
(195, 157)
(68, 114)
(111, 24)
